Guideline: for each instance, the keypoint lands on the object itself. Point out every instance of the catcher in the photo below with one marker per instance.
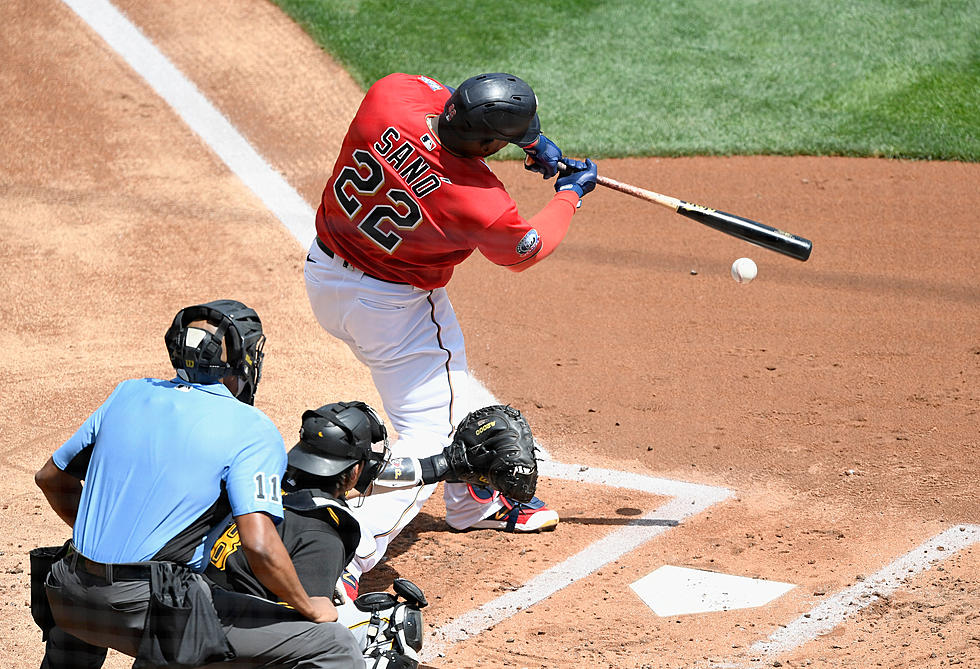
(342, 454)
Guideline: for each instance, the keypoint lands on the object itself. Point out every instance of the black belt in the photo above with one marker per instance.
(110, 573)
(326, 249)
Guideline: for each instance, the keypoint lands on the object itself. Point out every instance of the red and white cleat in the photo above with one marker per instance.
(514, 516)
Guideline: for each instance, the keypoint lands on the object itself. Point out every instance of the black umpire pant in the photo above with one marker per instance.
(64, 651)
(95, 612)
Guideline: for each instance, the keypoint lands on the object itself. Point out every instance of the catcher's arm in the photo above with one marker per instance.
(493, 447)
(401, 473)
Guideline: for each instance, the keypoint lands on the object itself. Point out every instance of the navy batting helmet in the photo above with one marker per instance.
(494, 106)
(196, 354)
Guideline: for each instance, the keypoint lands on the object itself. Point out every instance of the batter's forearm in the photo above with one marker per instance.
(552, 224)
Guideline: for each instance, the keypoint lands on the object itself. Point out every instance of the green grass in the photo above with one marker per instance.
(893, 78)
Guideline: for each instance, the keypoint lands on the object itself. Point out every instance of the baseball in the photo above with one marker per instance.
(744, 270)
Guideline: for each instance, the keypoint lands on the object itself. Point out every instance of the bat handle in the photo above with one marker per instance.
(628, 189)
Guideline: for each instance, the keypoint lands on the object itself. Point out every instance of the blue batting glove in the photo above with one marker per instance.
(542, 157)
(578, 176)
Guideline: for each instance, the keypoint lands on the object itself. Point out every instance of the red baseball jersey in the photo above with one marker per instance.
(401, 207)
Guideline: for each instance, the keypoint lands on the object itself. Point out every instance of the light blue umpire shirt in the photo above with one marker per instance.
(163, 462)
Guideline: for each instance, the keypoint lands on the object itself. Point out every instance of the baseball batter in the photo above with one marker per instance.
(410, 198)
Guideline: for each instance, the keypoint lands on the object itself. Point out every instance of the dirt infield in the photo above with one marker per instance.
(838, 399)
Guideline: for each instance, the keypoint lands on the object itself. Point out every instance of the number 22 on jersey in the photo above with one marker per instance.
(356, 185)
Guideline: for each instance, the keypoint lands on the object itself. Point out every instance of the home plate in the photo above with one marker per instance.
(673, 591)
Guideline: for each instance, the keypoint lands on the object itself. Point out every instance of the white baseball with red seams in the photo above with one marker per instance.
(744, 270)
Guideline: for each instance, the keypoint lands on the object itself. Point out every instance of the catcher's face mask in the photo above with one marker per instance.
(379, 454)
(374, 465)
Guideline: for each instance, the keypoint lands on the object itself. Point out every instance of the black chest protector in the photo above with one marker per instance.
(315, 503)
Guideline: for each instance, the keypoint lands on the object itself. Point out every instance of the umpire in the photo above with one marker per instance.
(163, 463)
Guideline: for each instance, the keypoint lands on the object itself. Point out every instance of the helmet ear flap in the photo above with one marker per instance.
(378, 459)
(372, 467)
(249, 367)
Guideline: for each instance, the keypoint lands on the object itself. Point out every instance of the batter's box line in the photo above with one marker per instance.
(849, 601)
(687, 500)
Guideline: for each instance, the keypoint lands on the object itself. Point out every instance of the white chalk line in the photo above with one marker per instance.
(286, 204)
(847, 602)
(200, 115)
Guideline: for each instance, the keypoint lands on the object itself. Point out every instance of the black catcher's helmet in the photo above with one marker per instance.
(490, 106)
(337, 436)
(196, 353)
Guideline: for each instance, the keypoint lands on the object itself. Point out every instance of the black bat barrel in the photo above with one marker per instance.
(748, 230)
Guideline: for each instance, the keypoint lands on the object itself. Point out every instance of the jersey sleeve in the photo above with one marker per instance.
(254, 477)
(517, 243)
(73, 456)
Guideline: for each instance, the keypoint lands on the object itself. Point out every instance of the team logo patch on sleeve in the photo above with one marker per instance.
(528, 243)
(431, 83)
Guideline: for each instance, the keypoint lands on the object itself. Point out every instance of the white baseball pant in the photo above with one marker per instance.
(410, 340)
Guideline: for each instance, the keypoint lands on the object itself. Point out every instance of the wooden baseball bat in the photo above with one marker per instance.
(744, 228)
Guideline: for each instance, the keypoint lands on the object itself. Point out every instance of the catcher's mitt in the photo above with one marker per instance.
(493, 447)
